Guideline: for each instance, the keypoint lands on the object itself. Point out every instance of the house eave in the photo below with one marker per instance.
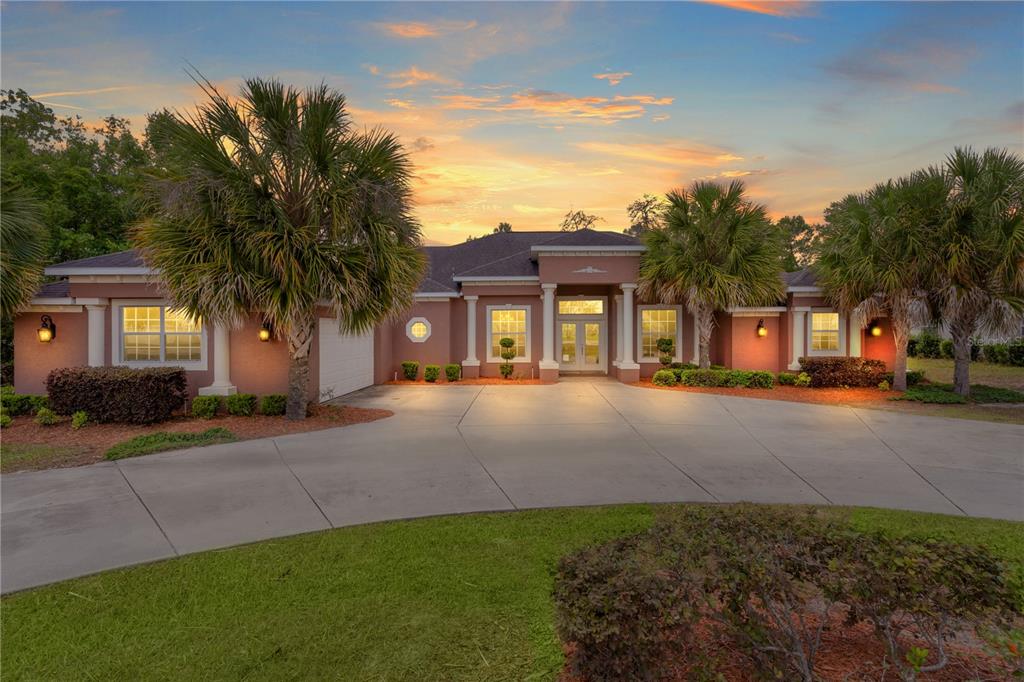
(507, 279)
(59, 271)
(624, 249)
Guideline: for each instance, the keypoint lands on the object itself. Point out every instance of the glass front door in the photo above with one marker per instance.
(583, 346)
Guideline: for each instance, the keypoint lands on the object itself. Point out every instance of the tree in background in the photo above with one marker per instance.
(23, 242)
(803, 241)
(578, 220)
(272, 203)
(716, 250)
(979, 283)
(881, 257)
(645, 214)
(503, 227)
(84, 180)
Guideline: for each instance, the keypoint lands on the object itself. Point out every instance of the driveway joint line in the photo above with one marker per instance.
(654, 449)
(769, 451)
(484, 467)
(301, 484)
(906, 463)
(468, 408)
(146, 507)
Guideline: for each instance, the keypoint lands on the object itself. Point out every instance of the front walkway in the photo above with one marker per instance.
(472, 448)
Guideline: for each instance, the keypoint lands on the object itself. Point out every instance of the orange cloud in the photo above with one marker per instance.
(546, 104)
(775, 8)
(688, 154)
(414, 76)
(613, 78)
(399, 103)
(94, 91)
(421, 29)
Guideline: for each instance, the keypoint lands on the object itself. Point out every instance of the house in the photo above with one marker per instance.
(567, 299)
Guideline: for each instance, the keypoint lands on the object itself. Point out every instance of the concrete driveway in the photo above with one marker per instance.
(470, 448)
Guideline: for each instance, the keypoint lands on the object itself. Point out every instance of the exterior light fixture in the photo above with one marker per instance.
(47, 330)
(875, 328)
(264, 332)
(762, 330)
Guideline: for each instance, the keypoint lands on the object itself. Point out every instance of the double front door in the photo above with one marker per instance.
(584, 344)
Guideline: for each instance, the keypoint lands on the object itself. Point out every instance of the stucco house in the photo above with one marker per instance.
(567, 299)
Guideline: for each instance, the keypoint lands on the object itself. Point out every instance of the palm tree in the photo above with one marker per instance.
(980, 271)
(715, 250)
(23, 240)
(879, 258)
(270, 203)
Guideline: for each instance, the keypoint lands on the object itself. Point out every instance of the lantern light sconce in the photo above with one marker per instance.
(264, 333)
(47, 330)
(875, 328)
(762, 330)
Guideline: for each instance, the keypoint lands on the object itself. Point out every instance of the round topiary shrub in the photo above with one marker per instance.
(664, 377)
(508, 352)
(410, 369)
(431, 373)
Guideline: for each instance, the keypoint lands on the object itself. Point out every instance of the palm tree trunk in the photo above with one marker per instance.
(961, 330)
(300, 337)
(900, 336)
(705, 319)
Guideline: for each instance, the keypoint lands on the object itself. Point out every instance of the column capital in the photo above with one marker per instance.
(549, 286)
(471, 298)
(101, 302)
(628, 286)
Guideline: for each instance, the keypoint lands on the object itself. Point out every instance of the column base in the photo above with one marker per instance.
(470, 369)
(629, 373)
(218, 389)
(794, 366)
(548, 374)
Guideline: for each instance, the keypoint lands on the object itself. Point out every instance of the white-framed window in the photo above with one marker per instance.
(512, 321)
(418, 329)
(657, 322)
(151, 333)
(826, 330)
(581, 306)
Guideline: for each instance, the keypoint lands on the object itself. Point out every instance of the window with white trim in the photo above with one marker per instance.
(825, 332)
(513, 323)
(418, 329)
(159, 334)
(657, 323)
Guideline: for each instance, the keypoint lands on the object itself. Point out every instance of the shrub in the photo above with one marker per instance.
(883, 385)
(507, 354)
(506, 369)
(158, 442)
(46, 417)
(666, 350)
(980, 393)
(410, 369)
(453, 372)
(273, 405)
(1015, 353)
(701, 377)
(914, 377)
(735, 378)
(997, 353)
(931, 393)
(929, 344)
(664, 377)
(5, 420)
(803, 380)
(834, 372)
(431, 373)
(786, 379)
(682, 365)
(946, 349)
(118, 394)
(16, 404)
(912, 347)
(79, 419)
(761, 379)
(205, 406)
(241, 404)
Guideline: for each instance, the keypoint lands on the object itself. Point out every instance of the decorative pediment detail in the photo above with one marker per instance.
(590, 270)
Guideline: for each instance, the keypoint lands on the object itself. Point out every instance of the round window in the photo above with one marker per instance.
(418, 329)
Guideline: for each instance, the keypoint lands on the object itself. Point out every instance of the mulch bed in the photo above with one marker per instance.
(482, 381)
(800, 394)
(88, 444)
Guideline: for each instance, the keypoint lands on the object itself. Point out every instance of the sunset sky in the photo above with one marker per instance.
(519, 112)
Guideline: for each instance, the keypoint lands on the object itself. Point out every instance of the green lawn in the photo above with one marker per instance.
(160, 441)
(453, 598)
(14, 456)
(941, 371)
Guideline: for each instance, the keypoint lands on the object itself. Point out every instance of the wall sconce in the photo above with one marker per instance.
(264, 333)
(762, 330)
(47, 331)
(875, 328)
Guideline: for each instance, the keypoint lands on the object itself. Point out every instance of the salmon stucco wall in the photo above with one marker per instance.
(881, 347)
(750, 351)
(436, 349)
(489, 368)
(260, 367)
(383, 357)
(596, 269)
(35, 360)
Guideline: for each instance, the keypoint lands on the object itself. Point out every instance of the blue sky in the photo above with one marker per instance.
(519, 111)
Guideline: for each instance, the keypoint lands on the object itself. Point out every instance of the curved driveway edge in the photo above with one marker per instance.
(456, 449)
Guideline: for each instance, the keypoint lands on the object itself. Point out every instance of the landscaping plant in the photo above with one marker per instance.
(205, 406)
(79, 419)
(803, 380)
(24, 237)
(159, 442)
(410, 369)
(273, 405)
(5, 420)
(16, 404)
(431, 373)
(46, 417)
(666, 350)
(508, 352)
(665, 377)
(241, 404)
(841, 371)
(452, 372)
(118, 394)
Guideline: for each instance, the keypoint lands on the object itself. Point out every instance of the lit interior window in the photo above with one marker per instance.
(508, 324)
(418, 330)
(656, 324)
(158, 334)
(581, 307)
(824, 331)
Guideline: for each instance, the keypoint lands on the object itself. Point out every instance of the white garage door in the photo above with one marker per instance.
(346, 362)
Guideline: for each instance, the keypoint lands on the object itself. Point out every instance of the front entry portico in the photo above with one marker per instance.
(583, 334)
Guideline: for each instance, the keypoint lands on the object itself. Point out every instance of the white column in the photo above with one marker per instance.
(797, 340)
(221, 364)
(97, 317)
(628, 360)
(856, 326)
(548, 359)
(618, 330)
(471, 360)
(696, 342)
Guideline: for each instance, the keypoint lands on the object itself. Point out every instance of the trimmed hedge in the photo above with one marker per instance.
(205, 406)
(728, 378)
(241, 404)
(118, 394)
(664, 377)
(836, 372)
(273, 405)
(410, 369)
(914, 377)
(16, 404)
(431, 373)
(453, 372)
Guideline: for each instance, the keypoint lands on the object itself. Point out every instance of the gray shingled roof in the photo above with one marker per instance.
(59, 289)
(800, 278)
(121, 259)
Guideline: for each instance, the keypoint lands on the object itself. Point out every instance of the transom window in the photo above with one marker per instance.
(508, 323)
(657, 323)
(159, 334)
(825, 331)
(581, 306)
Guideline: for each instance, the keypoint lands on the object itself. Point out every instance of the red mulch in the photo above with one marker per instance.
(800, 394)
(88, 444)
(848, 653)
(482, 381)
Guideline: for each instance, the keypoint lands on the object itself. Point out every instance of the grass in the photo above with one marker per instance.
(453, 598)
(16, 456)
(943, 394)
(941, 371)
(160, 441)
